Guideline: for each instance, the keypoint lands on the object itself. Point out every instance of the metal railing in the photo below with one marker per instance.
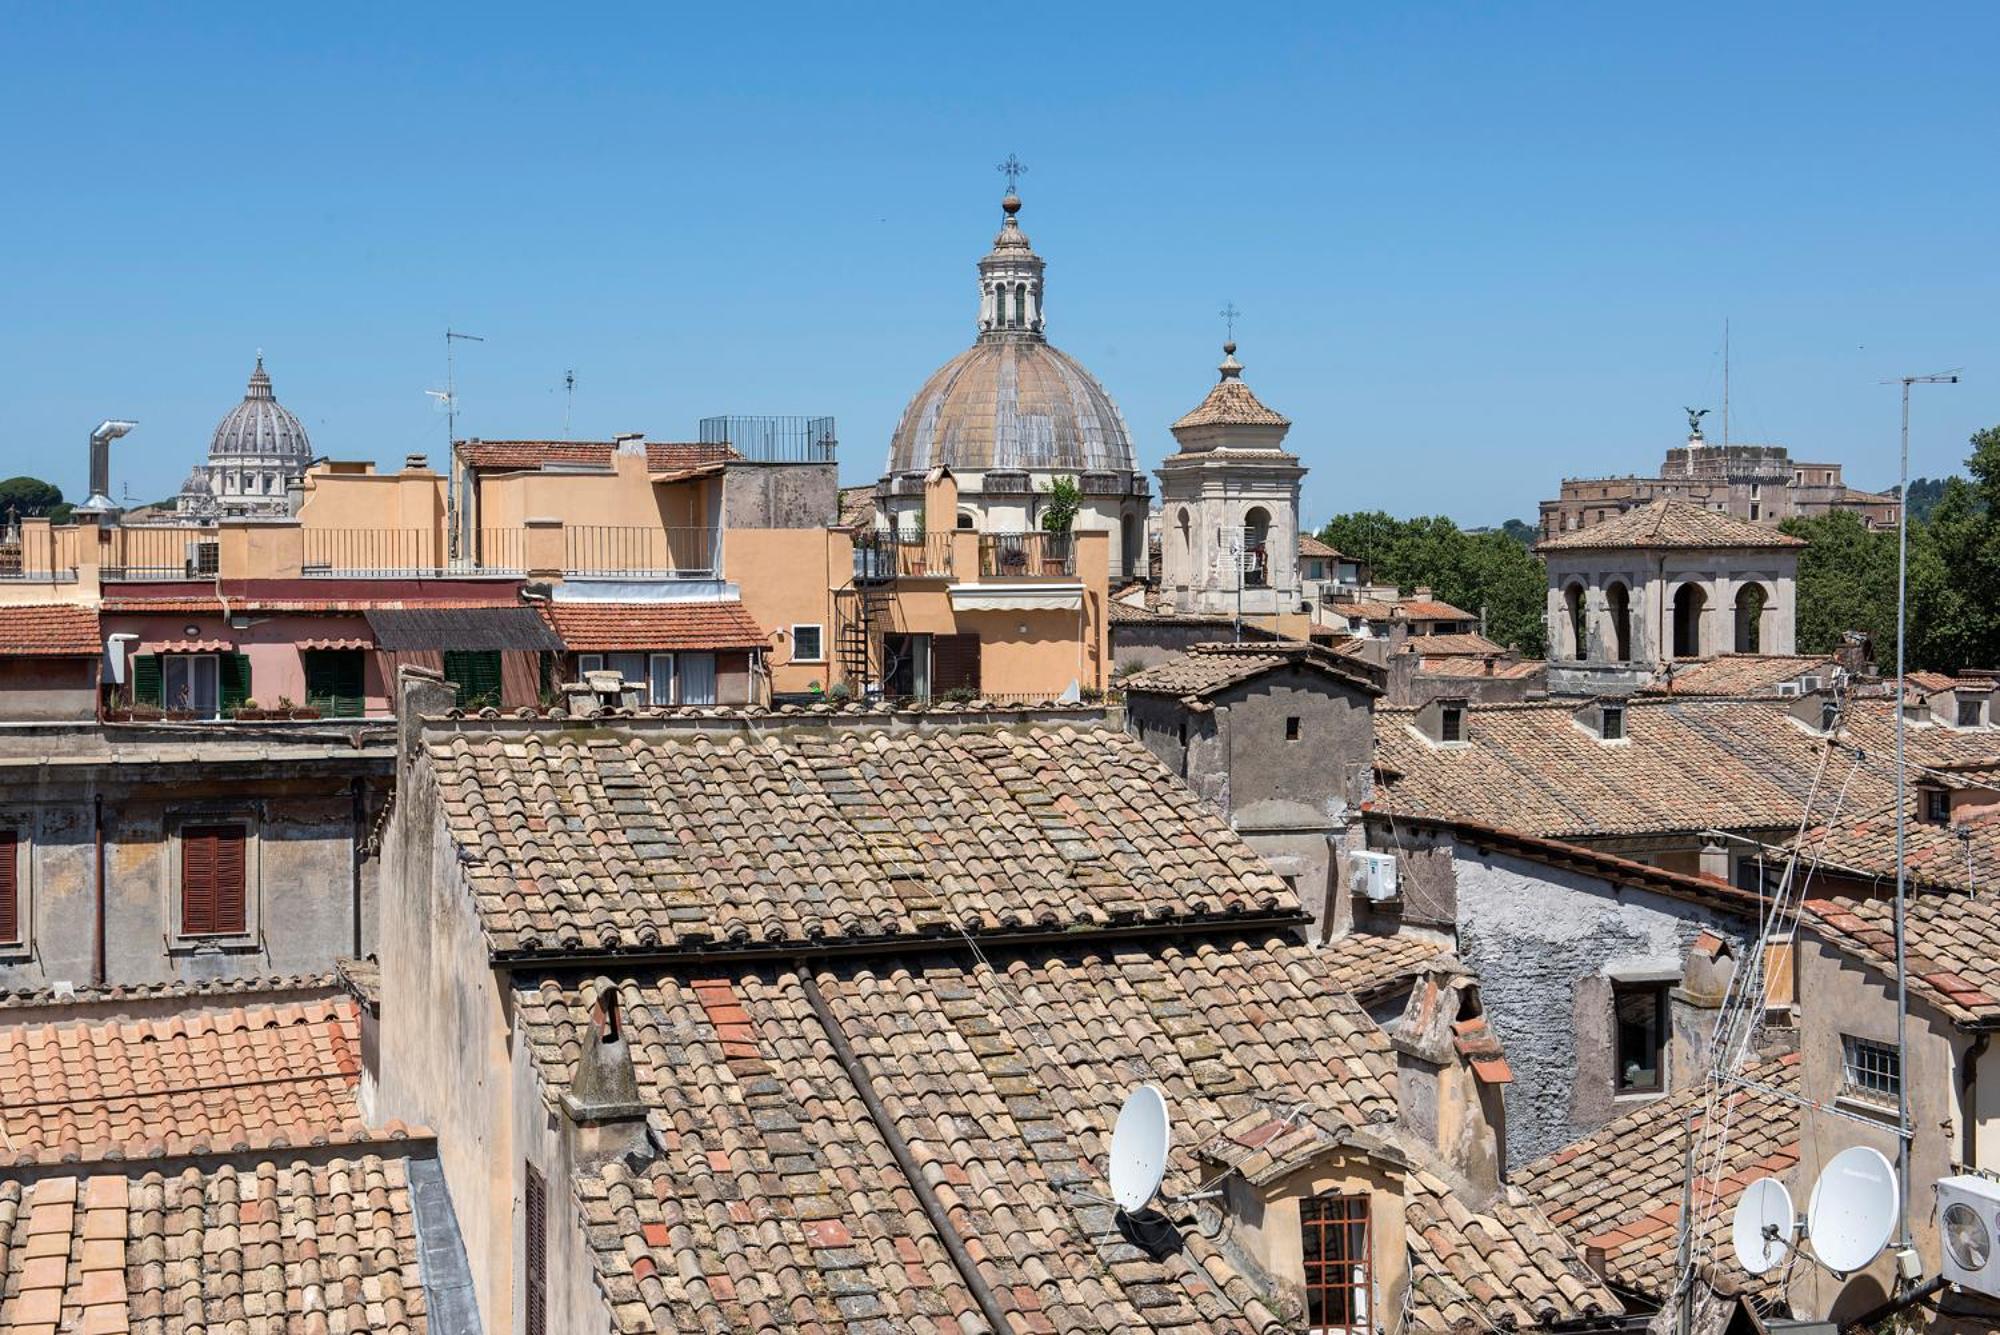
(163, 552)
(640, 551)
(408, 553)
(774, 440)
(1026, 555)
(38, 552)
(886, 556)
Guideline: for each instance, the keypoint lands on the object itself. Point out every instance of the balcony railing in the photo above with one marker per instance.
(639, 551)
(886, 556)
(39, 553)
(407, 553)
(1026, 555)
(163, 552)
(774, 440)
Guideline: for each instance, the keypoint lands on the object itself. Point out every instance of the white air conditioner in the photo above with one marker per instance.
(1969, 1223)
(1373, 875)
(1788, 688)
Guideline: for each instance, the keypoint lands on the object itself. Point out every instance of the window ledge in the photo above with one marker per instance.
(1873, 1109)
(1631, 1098)
(17, 952)
(244, 944)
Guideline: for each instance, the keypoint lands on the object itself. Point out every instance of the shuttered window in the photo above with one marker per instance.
(954, 663)
(11, 912)
(212, 880)
(233, 676)
(537, 1254)
(333, 681)
(146, 688)
(476, 675)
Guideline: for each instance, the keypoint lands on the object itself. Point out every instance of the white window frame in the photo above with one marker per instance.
(170, 659)
(654, 662)
(818, 630)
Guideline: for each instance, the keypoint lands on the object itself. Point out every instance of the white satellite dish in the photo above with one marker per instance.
(1853, 1209)
(1139, 1149)
(1765, 1226)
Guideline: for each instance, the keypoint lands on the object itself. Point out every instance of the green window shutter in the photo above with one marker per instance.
(334, 681)
(476, 675)
(146, 687)
(233, 672)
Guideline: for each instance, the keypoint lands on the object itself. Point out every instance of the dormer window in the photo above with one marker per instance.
(1333, 1241)
(1971, 713)
(1614, 723)
(1934, 806)
(1451, 723)
(1829, 715)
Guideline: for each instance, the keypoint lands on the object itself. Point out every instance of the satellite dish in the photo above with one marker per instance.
(1139, 1149)
(1764, 1227)
(1853, 1209)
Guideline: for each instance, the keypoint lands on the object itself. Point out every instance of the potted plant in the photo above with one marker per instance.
(1058, 519)
(250, 710)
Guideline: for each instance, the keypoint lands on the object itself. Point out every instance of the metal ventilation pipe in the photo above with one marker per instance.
(100, 463)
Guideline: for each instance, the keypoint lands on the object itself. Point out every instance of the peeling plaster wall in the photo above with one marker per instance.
(1546, 944)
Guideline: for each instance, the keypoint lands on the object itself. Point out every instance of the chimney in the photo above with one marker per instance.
(420, 692)
(630, 443)
(607, 1117)
(416, 463)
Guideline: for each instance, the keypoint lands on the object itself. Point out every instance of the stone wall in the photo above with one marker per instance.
(758, 495)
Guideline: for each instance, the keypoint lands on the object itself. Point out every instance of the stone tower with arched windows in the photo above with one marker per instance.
(1229, 505)
(1665, 582)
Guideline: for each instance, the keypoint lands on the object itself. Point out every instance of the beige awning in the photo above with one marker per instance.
(1016, 597)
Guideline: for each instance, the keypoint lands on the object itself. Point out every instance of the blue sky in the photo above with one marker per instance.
(1477, 248)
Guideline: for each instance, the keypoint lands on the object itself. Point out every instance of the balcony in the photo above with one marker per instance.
(640, 552)
(34, 552)
(407, 553)
(774, 440)
(880, 557)
(1026, 556)
(162, 552)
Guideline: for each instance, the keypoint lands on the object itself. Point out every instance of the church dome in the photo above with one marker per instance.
(260, 427)
(1011, 401)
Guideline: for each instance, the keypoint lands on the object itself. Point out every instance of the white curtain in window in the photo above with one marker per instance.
(697, 673)
(662, 681)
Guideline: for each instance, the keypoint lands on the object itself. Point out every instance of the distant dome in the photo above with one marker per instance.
(197, 482)
(260, 427)
(1011, 400)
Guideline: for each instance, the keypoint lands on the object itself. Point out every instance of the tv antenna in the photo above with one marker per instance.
(569, 398)
(1766, 1226)
(449, 402)
(1139, 1144)
(1854, 1209)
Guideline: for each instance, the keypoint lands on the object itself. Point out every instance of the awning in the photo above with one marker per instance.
(471, 628)
(1016, 597)
(339, 642)
(192, 647)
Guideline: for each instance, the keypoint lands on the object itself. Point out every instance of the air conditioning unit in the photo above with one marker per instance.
(1788, 688)
(1969, 1223)
(1373, 876)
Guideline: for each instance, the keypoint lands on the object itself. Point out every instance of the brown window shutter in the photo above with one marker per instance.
(214, 897)
(954, 663)
(537, 1254)
(10, 886)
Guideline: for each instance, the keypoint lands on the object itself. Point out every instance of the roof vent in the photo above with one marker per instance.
(416, 463)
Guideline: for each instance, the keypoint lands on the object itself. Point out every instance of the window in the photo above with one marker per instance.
(1451, 723)
(660, 679)
(1614, 723)
(1640, 1019)
(12, 911)
(213, 899)
(808, 644)
(1936, 806)
(476, 675)
(966, 523)
(955, 664)
(192, 682)
(697, 674)
(1292, 728)
(536, 1252)
(333, 681)
(1969, 712)
(1829, 715)
(1870, 1070)
(1333, 1241)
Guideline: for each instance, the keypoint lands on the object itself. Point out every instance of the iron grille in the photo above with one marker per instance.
(1871, 1070)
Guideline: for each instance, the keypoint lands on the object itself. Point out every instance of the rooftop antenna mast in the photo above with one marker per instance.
(569, 398)
(1725, 382)
(452, 517)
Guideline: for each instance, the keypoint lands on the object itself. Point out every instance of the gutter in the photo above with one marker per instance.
(97, 932)
(358, 793)
(933, 1208)
(1968, 1082)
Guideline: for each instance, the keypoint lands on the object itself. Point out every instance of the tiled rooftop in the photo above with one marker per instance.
(1230, 403)
(776, 1201)
(653, 839)
(255, 1077)
(1207, 668)
(1416, 608)
(515, 455)
(302, 1247)
(178, 989)
(56, 630)
(1371, 966)
(1686, 764)
(1669, 522)
(1312, 547)
(1452, 642)
(601, 627)
(1620, 1187)
(1500, 1267)
(1744, 674)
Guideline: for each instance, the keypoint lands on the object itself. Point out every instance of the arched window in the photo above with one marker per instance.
(1579, 628)
(1750, 600)
(966, 522)
(1256, 544)
(1618, 602)
(1187, 541)
(1689, 601)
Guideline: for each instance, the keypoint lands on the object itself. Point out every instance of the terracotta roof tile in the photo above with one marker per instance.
(1230, 403)
(1669, 522)
(122, 994)
(516, 455)
(1313, 548)
(1619, 1188)
(1452, 642)
(53, 630)
(1744, 674)
(1370, 966)
(1501, 1267)
(594, 627)
(1208, 668)
(651, 839)
(197, 1082)
(328, 1247)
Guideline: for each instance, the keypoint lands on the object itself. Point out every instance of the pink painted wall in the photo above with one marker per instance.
(270, 641)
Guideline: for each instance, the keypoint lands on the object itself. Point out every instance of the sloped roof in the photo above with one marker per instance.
(656, 837)
(596, 627)
(476, 629)
(1619, 1188)
(518, 455)
(1669, 522)
(1951, 940)
(1499, 1267)
(53, 630)
(1007, 1078)
(1370, 965)
(202, 1081)
(1415, 608)
(1452, 642)
(1206, 669)
(1230, 403)
(1310, 546)
(1686, 764)
(1743, 674)
(215, 1249)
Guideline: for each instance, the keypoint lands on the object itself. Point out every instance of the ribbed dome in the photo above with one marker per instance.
(260, 426)
(1011, 404)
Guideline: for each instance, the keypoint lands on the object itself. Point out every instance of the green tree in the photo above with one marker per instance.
(30, 497)
(1059, 510)
(1521, 531)
(1490, 572)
